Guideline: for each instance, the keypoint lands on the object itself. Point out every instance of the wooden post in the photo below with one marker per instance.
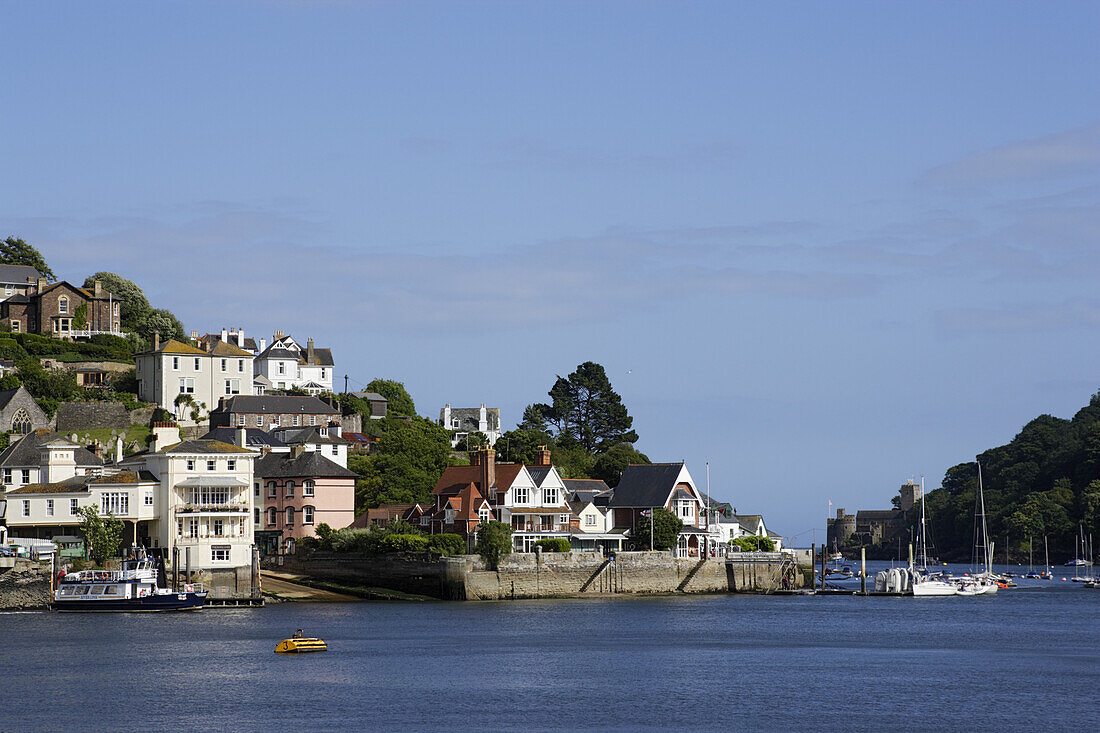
(823, 567)
(863, 570)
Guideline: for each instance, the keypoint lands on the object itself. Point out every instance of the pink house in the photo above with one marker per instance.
(301, 489)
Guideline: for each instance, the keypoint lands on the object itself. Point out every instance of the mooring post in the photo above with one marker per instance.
(863, 570)
(823, 567)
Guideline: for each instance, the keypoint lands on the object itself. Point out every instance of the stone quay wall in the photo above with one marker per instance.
(24, 585)
(550, 575)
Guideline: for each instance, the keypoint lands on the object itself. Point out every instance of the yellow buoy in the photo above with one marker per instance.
(301, 645)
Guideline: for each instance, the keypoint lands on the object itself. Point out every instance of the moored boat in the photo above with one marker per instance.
(133, 588)
(300, 645)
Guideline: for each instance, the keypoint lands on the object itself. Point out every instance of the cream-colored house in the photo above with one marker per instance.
(173, 368)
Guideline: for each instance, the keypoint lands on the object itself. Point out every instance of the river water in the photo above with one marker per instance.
(1025, 658)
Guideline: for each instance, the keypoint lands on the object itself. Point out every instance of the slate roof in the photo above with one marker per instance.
(294, 436)
(370, 396)
(749, 522)
(321, 357)
(645, 485)
(7, 394)
(310, 464)
(278, 352)
(386, 511)
(18, 299)
(25, 452)
(539, 473)
(469, 418)
(276, 405)
(584, 489)
(203, 445)
(253, 438)
(18, 274)
(82, 291)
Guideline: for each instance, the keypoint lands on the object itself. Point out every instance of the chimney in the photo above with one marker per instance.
(262, 345)
(97, 289)
(240, 338)
(96, 448)
(41, 284)
(488, 465)
(242, 437)
(164, 434)
(278, 335)
(156, 340)
(225, 336)
(296, 451)
(481, 421)
(542, 456)
(475, 458)
(118, 449)
(309, 350)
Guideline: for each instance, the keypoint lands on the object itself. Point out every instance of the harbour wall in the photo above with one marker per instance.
(552, 575)
(24, 585)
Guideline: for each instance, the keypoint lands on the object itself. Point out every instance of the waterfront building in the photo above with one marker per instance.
(592, 522)
(645, 487)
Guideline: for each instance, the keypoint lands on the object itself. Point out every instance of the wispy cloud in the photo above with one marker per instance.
(1052, 156)
(1019, 319)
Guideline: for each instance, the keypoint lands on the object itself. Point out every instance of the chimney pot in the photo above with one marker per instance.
(156, 340)
(225, 336)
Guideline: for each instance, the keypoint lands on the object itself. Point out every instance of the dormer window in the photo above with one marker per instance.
(63, 304)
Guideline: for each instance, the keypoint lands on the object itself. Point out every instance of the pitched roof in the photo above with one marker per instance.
(221, 348)
(254, 437)
(310, 464)
(25, 452)
(18, 274)
(386, 512)
(646, 485)
(203, 445)
(370, 396)
(277, 351)
(454, 478)
(171, 346)
(321, 357)
(277, 405)
(294, 436)
(7, 394)
(469, 418)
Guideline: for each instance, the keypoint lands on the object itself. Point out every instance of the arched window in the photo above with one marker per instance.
(21, 421)
(290, 488)
(63, 305)
(271, 489)
(290, 516)
(272, 513)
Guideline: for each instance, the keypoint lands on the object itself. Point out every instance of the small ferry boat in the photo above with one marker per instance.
(301, 644)
(133, 588)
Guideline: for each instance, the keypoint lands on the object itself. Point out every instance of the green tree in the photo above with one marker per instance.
(102, 534)
(519, 445)
(80, 317)
(585, 410)
(494, 542)
(609, 466)
(473, 441)
(136, 313)
(410, 459)
(399, 403)
(14, 251)
(666, 530)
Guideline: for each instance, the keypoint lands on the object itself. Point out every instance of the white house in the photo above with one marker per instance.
(287, 365)
(173, 368)
(462, 421)
(594, 528)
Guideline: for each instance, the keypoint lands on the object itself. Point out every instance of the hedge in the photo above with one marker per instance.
(554, 544)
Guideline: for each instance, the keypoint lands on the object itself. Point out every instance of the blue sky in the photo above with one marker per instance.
(825, 247)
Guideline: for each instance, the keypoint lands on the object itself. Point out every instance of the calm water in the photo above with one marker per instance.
(1028, 657)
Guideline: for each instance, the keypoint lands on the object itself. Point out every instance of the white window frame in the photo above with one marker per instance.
(198, 364)
(148, 498)
(219, 554)
(289, 489)
(521, 495)
(231, 464)
(308, 487)
(307, 515)
(550, 496)
(49, 507)
(26, 507)
(175, 363)
(74, 504)
(589, 520)
(190, 464)
(288, 519)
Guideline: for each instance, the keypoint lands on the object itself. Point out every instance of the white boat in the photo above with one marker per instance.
(922, 583)
(133, 588)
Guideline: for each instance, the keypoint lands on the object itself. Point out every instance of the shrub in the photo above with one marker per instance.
(447, 544)
(307, 544)
(494, 541)
(404, 543)
(554, 544)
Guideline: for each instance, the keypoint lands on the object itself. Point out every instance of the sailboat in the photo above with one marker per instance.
(924, 584)
(1046, 574)
(1080, 556)
(982, 583)
(1030, 565)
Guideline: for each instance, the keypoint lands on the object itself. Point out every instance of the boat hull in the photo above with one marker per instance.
(301, 646)
(158, 602)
